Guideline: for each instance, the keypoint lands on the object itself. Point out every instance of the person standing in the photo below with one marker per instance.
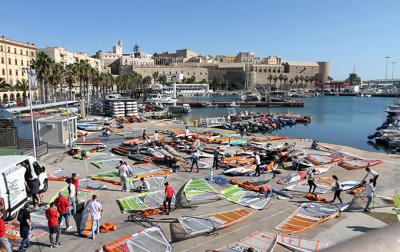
(241, 130)
(3, 239)
(156, 137)
(144, 135)
(311, 180)
(195, 160)
(123, 175)
(95, 209)
(187, 132)
(369, 192)
(169, 194)
(52, 216)
(374, 175)
(215, 161)
(63, 210)
(25, 225)
(75, 181)
(71, 195)
(258, 164)
(337, 188)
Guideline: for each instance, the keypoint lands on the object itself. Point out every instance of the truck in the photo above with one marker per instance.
(17, 172)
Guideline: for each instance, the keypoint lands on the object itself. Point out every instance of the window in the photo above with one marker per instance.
(15, 50)
(1, 48)
(22, 62)
(8, 49)
(2, 60)
(23, 73)
(21, 52)
(32, 54)
(10, 72)
(3, 71)
(9, 61)
(26, 52)
(16, 72)
(16, 62)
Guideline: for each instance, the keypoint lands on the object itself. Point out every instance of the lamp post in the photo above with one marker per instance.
(387, 61)
(32, 81)
(393, 63)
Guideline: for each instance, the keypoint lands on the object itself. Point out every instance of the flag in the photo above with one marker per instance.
(31, 78)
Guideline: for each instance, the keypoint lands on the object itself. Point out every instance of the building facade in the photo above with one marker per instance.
(65, 57)
(14, 56)
(110, 60)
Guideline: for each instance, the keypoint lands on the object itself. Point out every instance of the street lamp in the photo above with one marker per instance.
(393, 63)
(32, 83)
(387, 61)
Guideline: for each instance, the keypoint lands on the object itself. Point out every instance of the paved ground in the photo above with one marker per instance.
(348, 225)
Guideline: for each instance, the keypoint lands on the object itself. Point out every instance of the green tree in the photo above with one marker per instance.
(56, 78)
(42, 65)
(301, 79)
(162, 79)
(270, 77)
(275, 78)
(23, 85)
(280, 77)
(4, 85)
(296, 79)
(146, 81)
(155, 76)
(71, 76)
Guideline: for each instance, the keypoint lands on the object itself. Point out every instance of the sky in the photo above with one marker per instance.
(347, 33)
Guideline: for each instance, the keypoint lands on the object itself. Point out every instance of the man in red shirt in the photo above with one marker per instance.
(63, 209)
(52, 221)
(75, 181)
(3, 239)
(169, 194)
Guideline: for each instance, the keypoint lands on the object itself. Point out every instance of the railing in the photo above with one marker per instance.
(42, 147)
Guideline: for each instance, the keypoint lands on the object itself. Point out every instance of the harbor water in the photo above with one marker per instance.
(340, 120)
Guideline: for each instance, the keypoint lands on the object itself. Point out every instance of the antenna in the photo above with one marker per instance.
(354, 67)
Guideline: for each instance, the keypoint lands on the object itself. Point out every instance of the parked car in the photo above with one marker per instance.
(9, 104)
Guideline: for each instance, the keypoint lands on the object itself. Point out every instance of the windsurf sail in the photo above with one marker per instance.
(154, 182)
(308, 215)
(239, 171)
(324, 159)
(351, 163)
(150, 239)
(211, 222)
(291, 178)
(107, 164)
(60, 175)
(260, 241)
(245, 198)
(199, 191)
(143, 201)
(324, 185)
(396, 203)
(300, 244)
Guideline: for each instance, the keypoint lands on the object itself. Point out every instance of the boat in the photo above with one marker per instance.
(198, 191)
(245, 198)
(394, 108)
(260, 241)
(150, 239)
(233, 105)
(251, 97)
(199, 225)
(209, 105)
(185, 108)
(308, 215)
(161, 99)
(89, 127)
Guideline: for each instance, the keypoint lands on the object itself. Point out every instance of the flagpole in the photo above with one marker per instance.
(32, 78)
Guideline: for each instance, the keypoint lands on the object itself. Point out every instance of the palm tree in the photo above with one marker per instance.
(42, 65)
(23, 85)
(296, 79)
(280, 77)
(285, 78)
(146, 81)
(57, 78)
(275, 79)
(71, 76)
(83, 73)
(301, 80)
(270, 77)
(155, 76)
(291, 81)
(4, 85)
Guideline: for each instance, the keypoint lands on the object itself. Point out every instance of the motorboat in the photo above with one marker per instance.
(233, 105)
(90, 127)
(251, 97)
(209, 105)
(161, 99)
(394, 108)
(185, 108)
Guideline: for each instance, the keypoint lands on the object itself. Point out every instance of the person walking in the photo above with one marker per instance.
(258, 164)
(95, 208)
(215, 161)
(52, 216)
(71, 195)
(195, 160)
(373, 173)
(25, 226)
(123, 175)
(3, 239)
(369, 192)
(241, 130)
(63, 210)
(169, 194)
(144, 135)
(337, 188)
(311, 180)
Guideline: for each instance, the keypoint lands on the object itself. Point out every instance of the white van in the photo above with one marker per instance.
(15, 170)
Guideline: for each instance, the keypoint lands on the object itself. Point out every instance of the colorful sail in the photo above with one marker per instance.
(154, 182)
(143, 201)
(200, 191)
(245, 198)
(324, 185)
(211, 222)
(107, 164)
(259, 241)
(300, 244)
(308, 215)
(150, 239)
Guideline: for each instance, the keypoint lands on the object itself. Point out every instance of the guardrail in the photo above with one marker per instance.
(42, 147)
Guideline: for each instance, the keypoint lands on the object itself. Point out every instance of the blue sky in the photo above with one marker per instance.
(341, 31)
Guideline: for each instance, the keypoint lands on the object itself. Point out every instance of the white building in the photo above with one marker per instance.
(187, 89)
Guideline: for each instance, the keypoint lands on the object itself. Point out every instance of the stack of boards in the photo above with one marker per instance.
(121, 108)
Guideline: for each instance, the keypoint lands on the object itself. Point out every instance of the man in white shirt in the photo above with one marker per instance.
(144, 186)
(369, 192)
(258, 164)
(187, 132)
(71, 195)
(95, 208)
(373, 173)
(156, 137)
(123, 171)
